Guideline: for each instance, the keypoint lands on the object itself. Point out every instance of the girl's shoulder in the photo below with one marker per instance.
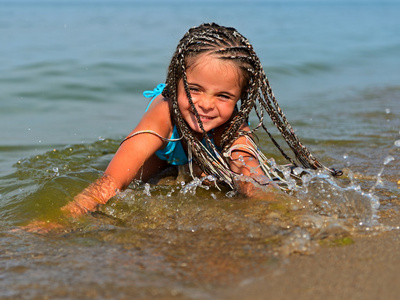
(158, 116)
(159, 102)
(160, 108)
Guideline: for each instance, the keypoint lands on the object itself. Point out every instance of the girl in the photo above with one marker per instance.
(195, 120)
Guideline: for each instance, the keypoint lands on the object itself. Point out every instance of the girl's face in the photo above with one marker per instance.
(215, 87)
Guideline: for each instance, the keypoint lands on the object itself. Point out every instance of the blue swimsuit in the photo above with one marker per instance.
(173, 153)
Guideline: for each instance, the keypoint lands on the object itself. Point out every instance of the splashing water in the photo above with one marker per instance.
(316, 207)
(379, 181)
(321, 208)
(347, 202)
(388, 159)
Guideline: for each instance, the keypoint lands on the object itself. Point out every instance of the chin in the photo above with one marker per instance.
(197, 128)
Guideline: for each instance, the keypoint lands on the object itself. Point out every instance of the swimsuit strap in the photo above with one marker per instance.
(172, 139)
(154, 93)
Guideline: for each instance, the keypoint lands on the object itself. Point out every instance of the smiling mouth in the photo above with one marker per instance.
(203, 118)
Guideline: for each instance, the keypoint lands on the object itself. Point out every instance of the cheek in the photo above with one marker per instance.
(183, 100)
(181, 94)
(227, 109)
(183, 103)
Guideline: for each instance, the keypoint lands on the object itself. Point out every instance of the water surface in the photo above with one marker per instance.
(71, 80)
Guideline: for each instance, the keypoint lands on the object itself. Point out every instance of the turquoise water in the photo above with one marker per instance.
(71, 78)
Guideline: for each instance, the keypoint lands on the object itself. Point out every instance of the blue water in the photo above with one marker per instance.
(71, 82)
(57, 60)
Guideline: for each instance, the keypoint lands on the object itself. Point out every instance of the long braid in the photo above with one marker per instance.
(227, 44)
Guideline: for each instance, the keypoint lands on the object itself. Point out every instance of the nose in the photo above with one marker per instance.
(206, 103)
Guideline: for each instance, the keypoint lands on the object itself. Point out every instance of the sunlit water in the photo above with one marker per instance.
(71, 82)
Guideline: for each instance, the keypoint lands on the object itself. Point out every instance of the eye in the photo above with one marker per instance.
(224, 96)
(194, 89)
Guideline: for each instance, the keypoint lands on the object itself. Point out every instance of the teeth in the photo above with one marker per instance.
(204, 117)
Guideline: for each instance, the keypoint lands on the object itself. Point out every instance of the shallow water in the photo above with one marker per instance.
(71, 89)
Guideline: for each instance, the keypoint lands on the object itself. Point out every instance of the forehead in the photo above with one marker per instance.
(214, 67)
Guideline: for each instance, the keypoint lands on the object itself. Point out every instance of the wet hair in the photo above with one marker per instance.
(227, 44)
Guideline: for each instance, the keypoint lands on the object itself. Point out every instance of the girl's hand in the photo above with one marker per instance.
(250, 188)
(82, 204)
(95, 194)
(40, 227)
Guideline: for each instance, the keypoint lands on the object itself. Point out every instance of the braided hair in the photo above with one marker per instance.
(228, 44)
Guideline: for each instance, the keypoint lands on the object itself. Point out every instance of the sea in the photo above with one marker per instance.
(72, 74)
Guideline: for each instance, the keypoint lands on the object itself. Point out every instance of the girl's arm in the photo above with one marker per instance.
(243, 162)
(128, 160)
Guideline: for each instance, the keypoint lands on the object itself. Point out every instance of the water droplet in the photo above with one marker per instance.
(306, 179)
(230, 194)
(379, 182)
(397, 143)
(388, 159)
(211, 178)
(297, 171)
(345, 156)
(387, 110)
(147, 189)
(101, 138)
(253, 170)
